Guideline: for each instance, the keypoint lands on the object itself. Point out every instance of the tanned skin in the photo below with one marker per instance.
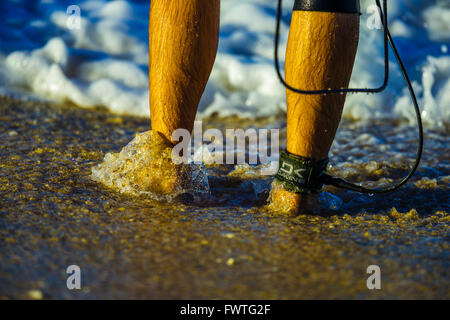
(184, 36)
(320, 55)
(321, 50)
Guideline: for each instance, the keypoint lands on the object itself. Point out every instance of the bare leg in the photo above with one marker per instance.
(183, 42)
(320, 55)
(184, 36)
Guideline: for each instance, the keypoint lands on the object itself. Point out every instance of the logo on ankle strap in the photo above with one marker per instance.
(300, 174)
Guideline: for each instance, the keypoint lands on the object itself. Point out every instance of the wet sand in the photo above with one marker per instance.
(53, 215)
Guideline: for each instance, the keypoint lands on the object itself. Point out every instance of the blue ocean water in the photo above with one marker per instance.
(96, 54)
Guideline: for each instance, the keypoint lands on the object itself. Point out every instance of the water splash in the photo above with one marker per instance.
(330, 201)
(145, 167)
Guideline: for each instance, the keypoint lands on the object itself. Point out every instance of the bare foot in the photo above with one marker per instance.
(163, 176)
(286, 202)
(145, 167)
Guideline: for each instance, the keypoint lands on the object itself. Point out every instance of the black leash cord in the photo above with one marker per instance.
(337, 182)
(383, 14)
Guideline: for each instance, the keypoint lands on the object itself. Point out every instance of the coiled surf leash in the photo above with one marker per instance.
(305, 175)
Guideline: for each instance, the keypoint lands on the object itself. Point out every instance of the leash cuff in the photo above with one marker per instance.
(299, 174)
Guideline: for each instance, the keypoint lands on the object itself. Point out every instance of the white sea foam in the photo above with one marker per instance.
(105, 61)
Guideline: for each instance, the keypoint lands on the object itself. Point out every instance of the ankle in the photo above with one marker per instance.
(283, 201)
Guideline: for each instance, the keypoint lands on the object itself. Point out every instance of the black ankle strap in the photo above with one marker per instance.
(343, 6)
(300, 174)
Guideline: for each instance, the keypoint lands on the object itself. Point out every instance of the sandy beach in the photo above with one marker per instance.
(53, 215)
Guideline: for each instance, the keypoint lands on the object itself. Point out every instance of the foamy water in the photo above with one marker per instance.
(105, 61)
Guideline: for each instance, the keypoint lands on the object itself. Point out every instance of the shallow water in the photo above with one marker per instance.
(53, 215)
